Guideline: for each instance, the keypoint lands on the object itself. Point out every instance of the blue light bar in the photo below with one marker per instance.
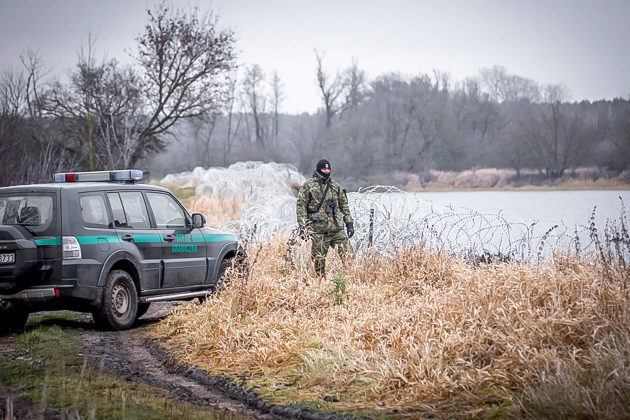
(125, 175)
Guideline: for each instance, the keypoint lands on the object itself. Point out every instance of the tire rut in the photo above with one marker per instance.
(131, 356)
(127, 354)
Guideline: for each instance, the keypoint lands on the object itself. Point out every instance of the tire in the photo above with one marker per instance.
(119, 308)
(13, 317)
(222, 280)
(202, 299)
(143, 307)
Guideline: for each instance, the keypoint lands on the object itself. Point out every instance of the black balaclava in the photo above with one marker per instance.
(321, 165)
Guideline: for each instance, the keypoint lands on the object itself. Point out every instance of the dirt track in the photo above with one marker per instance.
(131, 356)
(128, 355)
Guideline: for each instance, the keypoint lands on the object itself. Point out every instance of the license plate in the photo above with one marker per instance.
(7, 258)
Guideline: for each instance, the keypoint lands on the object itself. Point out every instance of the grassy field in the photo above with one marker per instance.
(418, 333)
(46, 365)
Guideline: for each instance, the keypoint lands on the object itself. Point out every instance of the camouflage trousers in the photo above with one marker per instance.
(322, 241)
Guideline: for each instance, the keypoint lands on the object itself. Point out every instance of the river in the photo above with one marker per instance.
(545, 207)
(492, 222)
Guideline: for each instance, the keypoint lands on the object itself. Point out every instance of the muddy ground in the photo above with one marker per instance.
(131, 356)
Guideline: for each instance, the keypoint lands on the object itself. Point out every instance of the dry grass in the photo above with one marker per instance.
(216, 211)
(420, 332)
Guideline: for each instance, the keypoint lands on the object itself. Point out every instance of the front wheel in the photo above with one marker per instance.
(222, 280)
(119, 308)
(13, 317)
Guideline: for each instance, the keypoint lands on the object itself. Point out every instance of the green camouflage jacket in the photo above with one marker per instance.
(334, 212)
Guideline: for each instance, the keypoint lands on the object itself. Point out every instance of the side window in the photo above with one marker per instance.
(167, 213)
(93, 210)
(120, 220)
(135, 210)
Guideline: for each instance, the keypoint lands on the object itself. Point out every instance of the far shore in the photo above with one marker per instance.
(558, 187)
(493, 179)
(484, 179)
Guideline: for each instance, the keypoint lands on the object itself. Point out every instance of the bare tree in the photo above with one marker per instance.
(35, 72)
(277, 96)
(429, 111)
(233, 121)
(331, 90)
(619, 132)
(355, 84)
(12, 93)
(505, 87)
(256, 101)
(392, 107)
(103, 107)
(204, 127)
(185, 61)
(556, 133)
(122, 113)
(30, 145)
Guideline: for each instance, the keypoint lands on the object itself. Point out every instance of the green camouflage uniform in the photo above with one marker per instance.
(326, 225)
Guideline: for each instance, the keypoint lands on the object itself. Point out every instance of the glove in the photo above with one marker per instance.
(350, 229)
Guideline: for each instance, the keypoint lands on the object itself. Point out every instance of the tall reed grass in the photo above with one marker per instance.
(418, 332)
(216, 211)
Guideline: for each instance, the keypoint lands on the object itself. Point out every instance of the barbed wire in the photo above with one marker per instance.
(388, 219)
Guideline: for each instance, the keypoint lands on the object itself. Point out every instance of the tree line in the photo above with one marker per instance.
(184, 103)
(107, 115)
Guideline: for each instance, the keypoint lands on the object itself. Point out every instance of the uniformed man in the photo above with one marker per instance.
(322, 211)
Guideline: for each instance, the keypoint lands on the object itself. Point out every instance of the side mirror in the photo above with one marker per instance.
(198, 220)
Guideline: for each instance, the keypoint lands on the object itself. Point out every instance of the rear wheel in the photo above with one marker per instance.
(13, 317)
(119, 308)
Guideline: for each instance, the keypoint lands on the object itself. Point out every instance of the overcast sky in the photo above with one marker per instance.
(584, 45)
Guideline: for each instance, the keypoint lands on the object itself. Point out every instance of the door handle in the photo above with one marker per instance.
(127, 237)
(169, 237)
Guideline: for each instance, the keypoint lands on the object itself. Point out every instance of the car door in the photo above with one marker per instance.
(94, 232)
(139, 239)
(183, 248)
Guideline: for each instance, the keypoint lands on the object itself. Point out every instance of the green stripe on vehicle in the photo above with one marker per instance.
(216, 237)
(94, 240)
(219, 237)
(147, 237)
(138, 238)
(48, 242)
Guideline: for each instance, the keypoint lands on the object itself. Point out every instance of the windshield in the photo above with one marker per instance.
(35, 212)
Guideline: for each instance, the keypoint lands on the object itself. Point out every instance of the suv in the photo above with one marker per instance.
(103, 247)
